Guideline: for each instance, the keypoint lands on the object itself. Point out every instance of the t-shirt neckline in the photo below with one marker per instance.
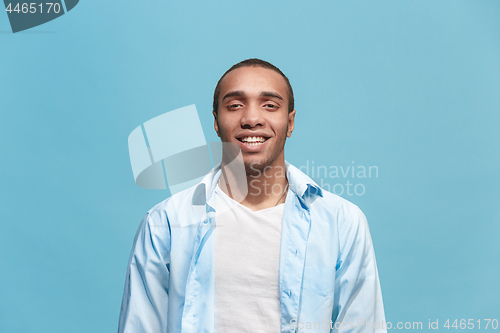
(227, 197)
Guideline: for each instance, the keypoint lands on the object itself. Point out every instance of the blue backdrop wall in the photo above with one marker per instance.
(409, 88)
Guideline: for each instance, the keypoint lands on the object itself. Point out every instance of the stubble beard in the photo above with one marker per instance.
(255, 169)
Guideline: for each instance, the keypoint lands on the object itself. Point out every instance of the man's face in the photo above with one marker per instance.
(253, 113)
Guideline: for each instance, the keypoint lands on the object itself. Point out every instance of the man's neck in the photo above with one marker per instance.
(266, 188)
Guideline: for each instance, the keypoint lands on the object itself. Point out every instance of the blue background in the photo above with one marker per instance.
(411, 87)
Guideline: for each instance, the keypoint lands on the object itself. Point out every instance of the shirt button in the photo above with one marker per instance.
(205, 222)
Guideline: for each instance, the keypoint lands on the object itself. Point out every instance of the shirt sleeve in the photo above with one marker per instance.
(145, 297)
(358, 303)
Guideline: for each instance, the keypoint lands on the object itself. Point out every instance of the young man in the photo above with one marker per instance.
(263, 250)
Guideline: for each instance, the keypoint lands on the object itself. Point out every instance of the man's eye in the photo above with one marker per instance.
(233, 106)
(271, 106)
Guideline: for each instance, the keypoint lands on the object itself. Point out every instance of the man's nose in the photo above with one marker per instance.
(252, 116)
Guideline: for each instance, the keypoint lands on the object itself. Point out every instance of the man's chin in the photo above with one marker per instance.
(254, 168)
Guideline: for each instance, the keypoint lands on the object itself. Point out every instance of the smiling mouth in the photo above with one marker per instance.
(253, 140)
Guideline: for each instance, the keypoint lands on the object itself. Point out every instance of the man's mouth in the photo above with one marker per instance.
(253, 140)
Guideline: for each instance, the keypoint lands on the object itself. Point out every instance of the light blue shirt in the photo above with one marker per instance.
(328, 279)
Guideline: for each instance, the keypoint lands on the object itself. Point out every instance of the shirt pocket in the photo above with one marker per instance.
(320, 280)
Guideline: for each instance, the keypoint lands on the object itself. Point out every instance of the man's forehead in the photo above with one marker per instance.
(255, 78)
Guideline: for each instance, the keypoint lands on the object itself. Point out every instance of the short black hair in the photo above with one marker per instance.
(254, 62)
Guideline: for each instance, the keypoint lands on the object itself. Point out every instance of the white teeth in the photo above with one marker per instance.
(253, 140)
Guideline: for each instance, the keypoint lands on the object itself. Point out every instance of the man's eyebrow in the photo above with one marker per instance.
(237, 93)
(271, 94)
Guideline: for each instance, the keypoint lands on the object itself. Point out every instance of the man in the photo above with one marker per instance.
(263, 250)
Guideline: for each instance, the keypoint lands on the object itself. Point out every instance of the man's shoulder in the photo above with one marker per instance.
(181, 203)
(323, 200)
(337, 206)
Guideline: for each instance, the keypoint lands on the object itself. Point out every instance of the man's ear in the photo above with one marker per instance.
(216, 124)
(291, 123)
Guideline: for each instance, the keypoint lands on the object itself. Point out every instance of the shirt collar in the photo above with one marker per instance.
(298, 181)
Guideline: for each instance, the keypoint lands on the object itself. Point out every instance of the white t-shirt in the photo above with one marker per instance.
(246, 262)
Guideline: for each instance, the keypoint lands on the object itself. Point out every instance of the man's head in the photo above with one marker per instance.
(253, 108)
(254, 63)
